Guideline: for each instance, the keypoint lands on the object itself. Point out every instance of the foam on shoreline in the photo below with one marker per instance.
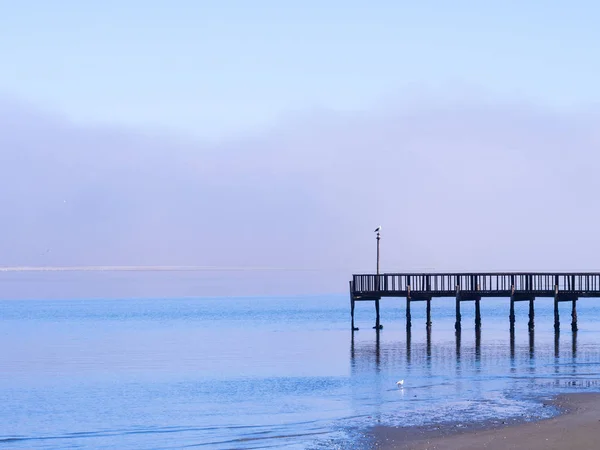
(576, 427)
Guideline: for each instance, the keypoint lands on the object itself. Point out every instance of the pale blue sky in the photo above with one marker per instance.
(213, 67)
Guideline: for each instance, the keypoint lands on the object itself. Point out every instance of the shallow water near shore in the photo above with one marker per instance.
(277, 372)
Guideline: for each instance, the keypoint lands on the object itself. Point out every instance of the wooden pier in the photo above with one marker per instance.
(522, 286)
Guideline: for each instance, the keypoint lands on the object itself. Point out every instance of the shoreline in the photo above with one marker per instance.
(576, 427)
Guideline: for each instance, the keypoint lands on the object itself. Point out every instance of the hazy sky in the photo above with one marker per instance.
(220, 66)
(272, 133)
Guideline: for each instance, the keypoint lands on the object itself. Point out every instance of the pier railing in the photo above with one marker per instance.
(485, 284)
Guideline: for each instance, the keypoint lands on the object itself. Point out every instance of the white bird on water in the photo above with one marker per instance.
(400, 383)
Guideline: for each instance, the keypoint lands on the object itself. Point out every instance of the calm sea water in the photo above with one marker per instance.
(222, 373)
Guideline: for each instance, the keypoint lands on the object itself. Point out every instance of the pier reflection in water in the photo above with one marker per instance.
(361, 353)
(471, 370)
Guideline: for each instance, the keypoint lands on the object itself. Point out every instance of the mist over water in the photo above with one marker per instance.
(280, 372)
(307, 192)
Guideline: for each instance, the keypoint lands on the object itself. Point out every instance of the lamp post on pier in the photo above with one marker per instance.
(378, 325)
(377, 230)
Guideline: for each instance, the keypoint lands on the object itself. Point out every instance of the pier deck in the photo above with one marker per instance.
(473, 286)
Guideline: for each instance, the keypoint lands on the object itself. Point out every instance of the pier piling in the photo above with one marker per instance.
(574, 316)
(556, 315)
(377, 323)
(531, 323)
(477, 315)
(408, 315)
(457, 323)
(352, 301)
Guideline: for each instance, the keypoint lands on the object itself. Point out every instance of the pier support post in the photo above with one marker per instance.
(574, 316)
(352, 301)
(531, 323)
(477, 316)
(556, 316)
(428, 314)
(408, 315)
(377, 324)
(457, 323)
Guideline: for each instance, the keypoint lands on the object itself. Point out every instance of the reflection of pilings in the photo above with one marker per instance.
(531, 343)
(377, 350)
(352, 347)
(428, 324)
(458, 333)
(408, 338)
(511, 316)
(556, 351)
(574, 343)
(478, 344)
(429, 343)
(512, 343)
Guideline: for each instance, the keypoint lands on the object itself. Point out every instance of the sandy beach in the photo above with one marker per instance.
(576, 428)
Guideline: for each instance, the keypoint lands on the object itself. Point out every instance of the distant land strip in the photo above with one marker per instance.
(143, 268)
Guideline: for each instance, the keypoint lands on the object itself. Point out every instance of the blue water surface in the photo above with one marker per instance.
(276, 372)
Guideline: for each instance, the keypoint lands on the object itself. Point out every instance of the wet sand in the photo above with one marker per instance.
(576, 428)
